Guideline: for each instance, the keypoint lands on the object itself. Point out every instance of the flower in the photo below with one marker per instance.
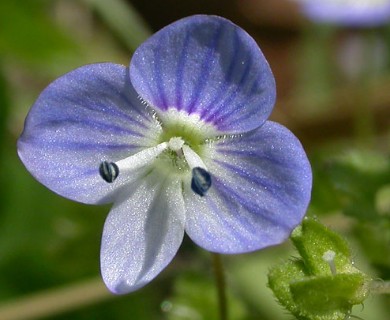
(348, 12)
(178, 142)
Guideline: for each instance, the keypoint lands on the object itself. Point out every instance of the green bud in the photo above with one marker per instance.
(313, 240)
(329, 297)
(323, 284)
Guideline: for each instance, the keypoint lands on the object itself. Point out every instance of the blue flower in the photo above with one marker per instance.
(179, 142)
(365, 13)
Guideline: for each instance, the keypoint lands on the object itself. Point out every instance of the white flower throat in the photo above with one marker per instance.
(182, 153)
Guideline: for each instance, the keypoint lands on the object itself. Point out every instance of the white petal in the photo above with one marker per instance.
(142, 233)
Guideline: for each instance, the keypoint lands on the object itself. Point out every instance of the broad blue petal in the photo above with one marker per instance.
(261, 186)
(348, 13)
(86, 116)
(208, 66)
(142, 233)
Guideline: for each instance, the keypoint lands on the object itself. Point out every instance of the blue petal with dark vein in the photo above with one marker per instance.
(86, 116)
(208, 66)
(261, 189)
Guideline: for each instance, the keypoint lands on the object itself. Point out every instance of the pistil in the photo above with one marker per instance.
(329, 257)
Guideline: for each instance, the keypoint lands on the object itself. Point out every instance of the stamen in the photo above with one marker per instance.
(141, 158)
(201, 181)
(108, 171)
(192, 158)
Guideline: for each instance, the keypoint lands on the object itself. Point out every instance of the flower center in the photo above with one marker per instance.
(201, 179)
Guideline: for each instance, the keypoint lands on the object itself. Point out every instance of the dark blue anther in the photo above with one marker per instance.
(109, 171)
(201, 181)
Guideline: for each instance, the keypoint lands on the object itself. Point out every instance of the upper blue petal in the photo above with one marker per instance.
(261, 187)
(208, 66)
(86, 116)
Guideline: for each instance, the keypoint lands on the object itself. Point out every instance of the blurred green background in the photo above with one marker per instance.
(333, 93)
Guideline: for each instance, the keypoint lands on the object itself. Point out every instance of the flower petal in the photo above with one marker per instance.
(349, 13)
(261, 185)
(208, 66)
(142, 233)
(86, 116)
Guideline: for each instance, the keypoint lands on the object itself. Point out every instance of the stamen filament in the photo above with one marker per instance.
(192, 158)
(201, 178)
(141, 158)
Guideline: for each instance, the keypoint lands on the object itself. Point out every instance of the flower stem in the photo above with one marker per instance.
(380, 287)
(221, 285)
(55, 301)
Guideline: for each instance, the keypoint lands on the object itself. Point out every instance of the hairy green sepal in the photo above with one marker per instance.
(308, 287)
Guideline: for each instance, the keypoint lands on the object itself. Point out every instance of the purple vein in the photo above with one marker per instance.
(229, 74)
(205, 70)
(180, 72)
(250, 206)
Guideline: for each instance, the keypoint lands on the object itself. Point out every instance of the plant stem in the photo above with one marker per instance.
(55, 301)
(221, 285)
(380, 287)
